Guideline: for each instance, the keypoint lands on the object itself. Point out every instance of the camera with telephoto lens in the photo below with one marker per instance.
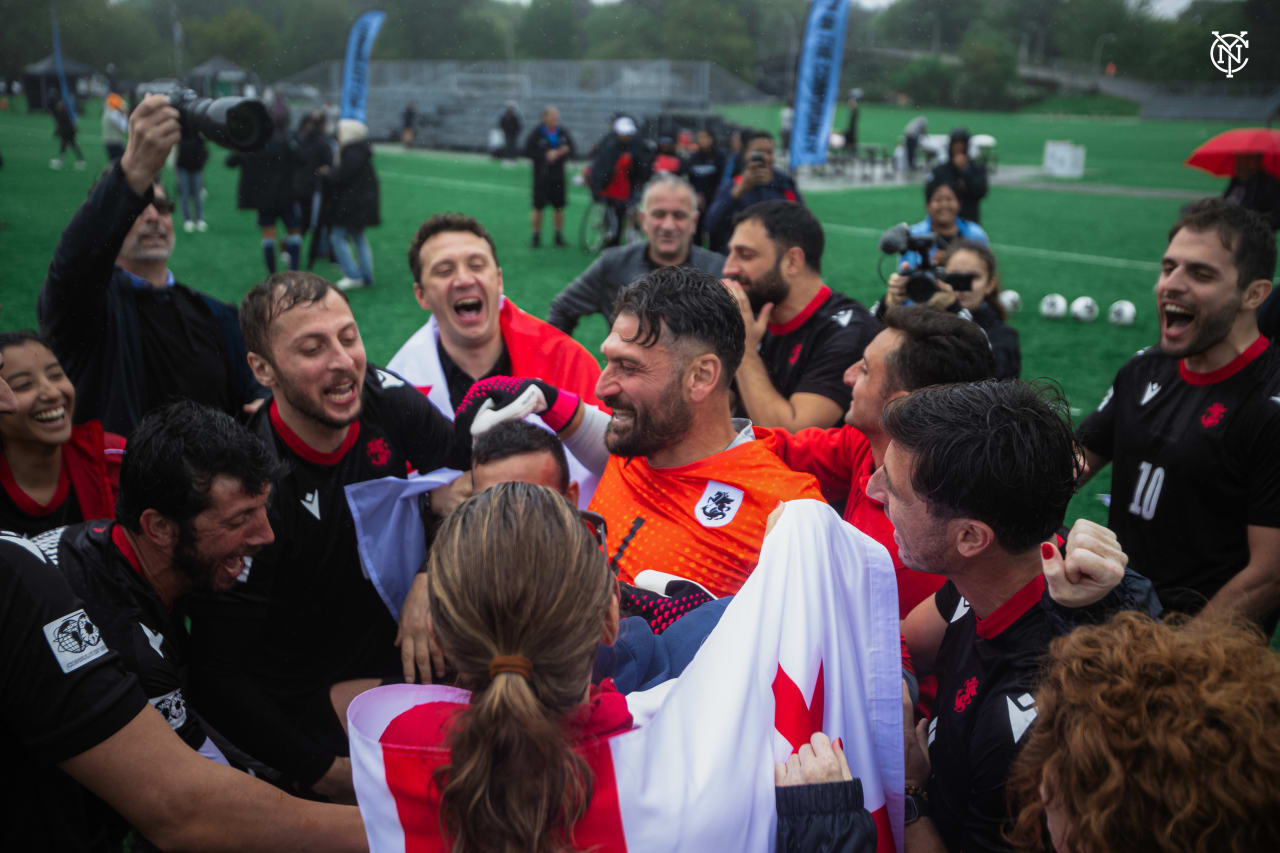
(922, 282)
(241, 124)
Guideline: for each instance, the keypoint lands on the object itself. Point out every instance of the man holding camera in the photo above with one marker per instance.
(759, 181)
(129, 336)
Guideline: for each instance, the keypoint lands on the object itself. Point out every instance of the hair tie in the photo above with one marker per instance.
(518, 664)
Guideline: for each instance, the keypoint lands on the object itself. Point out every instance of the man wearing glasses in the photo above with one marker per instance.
(130, 337)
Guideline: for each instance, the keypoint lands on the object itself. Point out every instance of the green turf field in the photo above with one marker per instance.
(1106, 246)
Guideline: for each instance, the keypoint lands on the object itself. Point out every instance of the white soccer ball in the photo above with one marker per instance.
(1122, 313)
(1011, 301)
(1053, 306)
(1084, 309)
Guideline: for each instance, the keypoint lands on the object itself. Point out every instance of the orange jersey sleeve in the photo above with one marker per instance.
(704, 521)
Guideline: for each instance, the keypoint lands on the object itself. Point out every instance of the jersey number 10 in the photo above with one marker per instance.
(1147, 493)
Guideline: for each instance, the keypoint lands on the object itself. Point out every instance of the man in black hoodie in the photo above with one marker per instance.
(967, 177)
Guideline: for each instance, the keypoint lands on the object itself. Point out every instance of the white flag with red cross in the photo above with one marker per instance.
(810, 643)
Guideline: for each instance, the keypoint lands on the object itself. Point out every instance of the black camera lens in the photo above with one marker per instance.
(960, 281)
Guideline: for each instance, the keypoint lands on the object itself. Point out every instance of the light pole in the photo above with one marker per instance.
(1097, 50)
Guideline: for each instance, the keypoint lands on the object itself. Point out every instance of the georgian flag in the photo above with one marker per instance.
(810, 643)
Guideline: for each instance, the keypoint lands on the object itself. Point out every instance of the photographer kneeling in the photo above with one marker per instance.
(967, 285)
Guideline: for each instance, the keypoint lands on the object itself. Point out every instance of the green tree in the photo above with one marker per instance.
(549, 29)
(988, 70)
(239, 35)
(927, 80)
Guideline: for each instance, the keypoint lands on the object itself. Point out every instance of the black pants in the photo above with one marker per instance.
(70, 140)
(115, 150)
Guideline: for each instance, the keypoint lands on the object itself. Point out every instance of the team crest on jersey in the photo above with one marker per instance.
(1213, 415)
(388, 380)
(795, 355)
(173, 707)
(966, 693)
(718, 505)
(74, 640)
(379, 453)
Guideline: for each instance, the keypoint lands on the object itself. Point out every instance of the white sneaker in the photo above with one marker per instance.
(79, 165)
(188, 226)
(345, 283)
(202, 226)
(55, 163)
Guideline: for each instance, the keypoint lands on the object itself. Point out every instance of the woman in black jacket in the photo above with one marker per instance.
(352, 201)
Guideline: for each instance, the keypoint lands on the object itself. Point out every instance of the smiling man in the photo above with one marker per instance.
(475, 331)
(281, 654)
(1192, 426)
(669, 217)
(192, 511)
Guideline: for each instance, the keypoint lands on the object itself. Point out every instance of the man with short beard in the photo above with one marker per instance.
(280, 655)
(801, 335)
(1192, 426)
(669, 217)
(686, 488)
(131, 338)
(191, 513)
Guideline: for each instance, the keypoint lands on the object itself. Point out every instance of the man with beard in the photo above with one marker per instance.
(669, 217)
(278, 658)
(191, 512)
(1192, 426)
(801, 335)
(686, 488)
(129, 336)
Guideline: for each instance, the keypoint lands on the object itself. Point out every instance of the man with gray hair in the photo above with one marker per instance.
(669, 217)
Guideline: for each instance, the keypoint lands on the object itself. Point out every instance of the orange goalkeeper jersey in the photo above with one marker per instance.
(703, 521)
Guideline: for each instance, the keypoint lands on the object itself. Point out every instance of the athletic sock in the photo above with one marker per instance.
(269, 253)
(293, 248)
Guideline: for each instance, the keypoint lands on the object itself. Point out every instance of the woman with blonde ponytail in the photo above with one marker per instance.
(521, 595)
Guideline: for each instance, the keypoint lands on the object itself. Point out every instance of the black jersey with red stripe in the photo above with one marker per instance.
(304, 616)
(987, 671)
(1195, 460)
(810, 353)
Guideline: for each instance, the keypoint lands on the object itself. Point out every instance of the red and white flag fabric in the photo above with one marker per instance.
(810, 643)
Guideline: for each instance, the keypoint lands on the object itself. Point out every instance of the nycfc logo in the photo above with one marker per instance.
(1227, 52)
(1213, 415)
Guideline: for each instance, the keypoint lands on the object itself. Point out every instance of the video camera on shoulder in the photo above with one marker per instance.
(241, 124)
(923, 280)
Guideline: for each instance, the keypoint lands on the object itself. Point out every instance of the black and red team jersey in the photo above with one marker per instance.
(987, 671)
(64, 692)
(20, 514)
(1195, 460)
(304, 616)
(810, 353)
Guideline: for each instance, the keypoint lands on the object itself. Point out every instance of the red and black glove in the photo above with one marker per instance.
(500, 398)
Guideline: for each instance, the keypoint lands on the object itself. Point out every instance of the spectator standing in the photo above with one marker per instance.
(786, 122)
(943, 221)
(759, 181)
(408, 124)
(620, 168)
(351, 189)
(193, 153)
(115, 124)
(510, 124)
(1191, 426)
(314, 152)
(1254, 188)
(706, 168)
(968, 178)
(668, 159)
(911, 135)
(548, 145)
(266, 186)
(64, 127)
(130, 337)
(851, 132)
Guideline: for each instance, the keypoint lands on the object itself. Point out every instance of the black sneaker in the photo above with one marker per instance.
(560, 240)
(536, 241)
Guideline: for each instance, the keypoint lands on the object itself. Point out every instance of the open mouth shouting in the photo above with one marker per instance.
(1176, 322)
(469, 311)
(343, 393)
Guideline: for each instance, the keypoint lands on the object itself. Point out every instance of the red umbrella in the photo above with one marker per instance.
(1218, 155)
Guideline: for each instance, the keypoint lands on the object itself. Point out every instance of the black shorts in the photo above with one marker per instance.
(288, 215)
(548, 192)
